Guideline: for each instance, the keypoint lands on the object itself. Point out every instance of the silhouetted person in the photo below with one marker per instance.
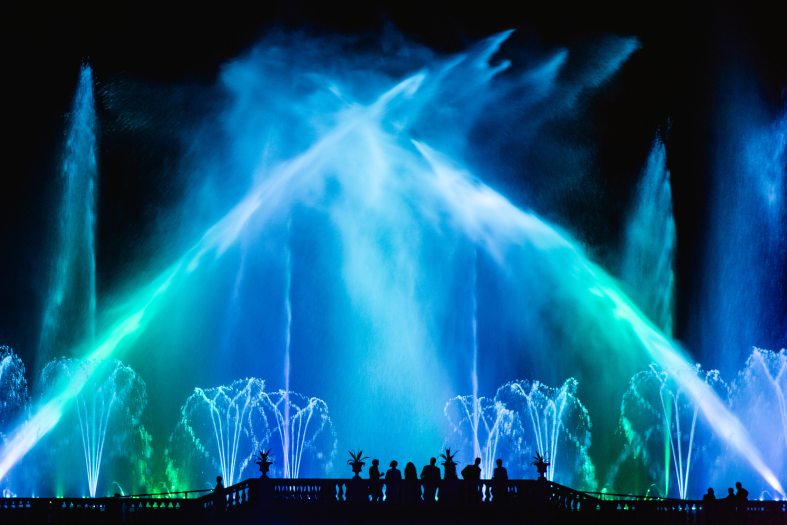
(730, 495)
(499, 482)
(219, 495)
(393, 480)
(472, 472)
(472, 475)
(375, 485)
(411, 491)
(742, 494)
(709, 507)
(430, 477)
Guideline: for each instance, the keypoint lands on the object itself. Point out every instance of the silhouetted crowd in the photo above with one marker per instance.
(407, 489)
(734, 496)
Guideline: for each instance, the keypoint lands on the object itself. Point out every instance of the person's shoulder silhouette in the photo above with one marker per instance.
(393, 473)
(500, 473)
(409, 471)
(742, 494)
(219, 504)
(374, 470)
(472, 472)
(431, 472)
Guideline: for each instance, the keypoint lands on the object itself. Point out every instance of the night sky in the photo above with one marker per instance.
(689, 61)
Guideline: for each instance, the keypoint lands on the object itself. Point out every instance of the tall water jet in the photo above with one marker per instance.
(289, 471)
(70, 306)
(661, 426)
(743, 295)
(110, 407)
(556, 425)
(648, 258)
(476, 413)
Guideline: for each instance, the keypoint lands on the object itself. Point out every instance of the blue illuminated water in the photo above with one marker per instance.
(353, 244)
(70, 307)
(648, 259)
(744, 288)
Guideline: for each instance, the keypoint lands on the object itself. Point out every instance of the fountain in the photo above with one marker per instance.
(107, 423)
(524, 419)
(759, 398)
(486, 429)
(556, 426)
(660, 424)
(221, 430)
(306, 438)
(14, 402)
(380, 171)
(13, 389)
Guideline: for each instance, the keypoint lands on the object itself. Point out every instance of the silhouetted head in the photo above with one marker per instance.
(432, 461)
(218, 479)
(499, 462)
(393, 464)
(477, 461)
(738, 485)
(375, 462)
(710, 490)
(731, 491)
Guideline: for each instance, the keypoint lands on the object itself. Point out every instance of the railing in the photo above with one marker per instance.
(364, 491)
(266, 495)
(332, 497)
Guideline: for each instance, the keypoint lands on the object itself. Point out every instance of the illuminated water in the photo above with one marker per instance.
(743, 294)
(222, 429)
(649, 251)
(664, 432)
(14, 403)
(557, 426)
(103, 428)
(759, 397)
(346, 240)
(484, 428)
(70, 309)
(13, 388)
(525, 418)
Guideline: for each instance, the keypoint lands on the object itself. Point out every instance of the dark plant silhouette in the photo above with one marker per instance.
(264, 463)
(357, 462)
(449, 465)
(541, 465)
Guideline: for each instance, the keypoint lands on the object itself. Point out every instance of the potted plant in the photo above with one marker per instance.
(264, 463)
(449, 465)
(356, 461)
(541, 465)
